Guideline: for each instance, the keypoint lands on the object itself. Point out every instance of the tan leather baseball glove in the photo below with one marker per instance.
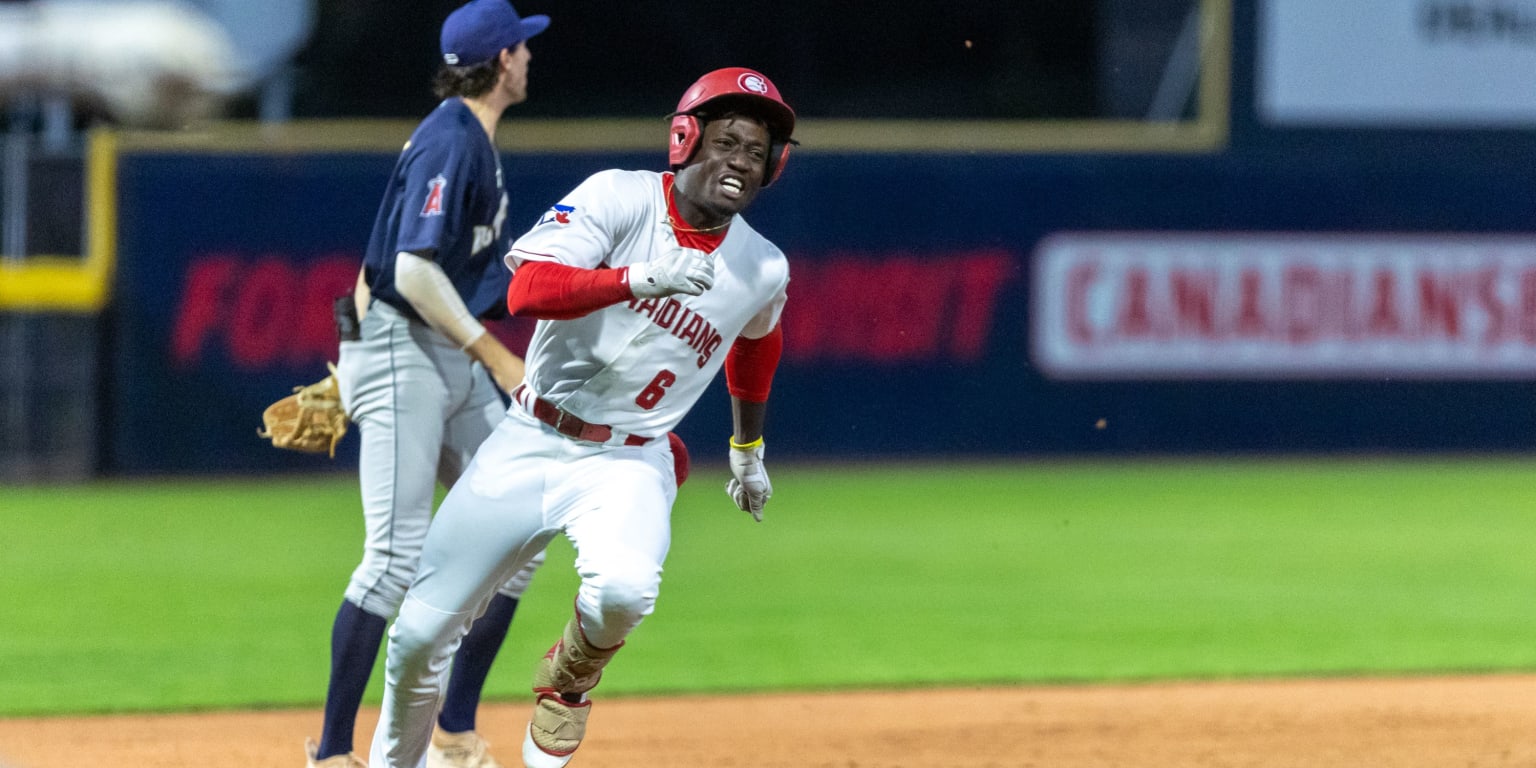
(310, 420)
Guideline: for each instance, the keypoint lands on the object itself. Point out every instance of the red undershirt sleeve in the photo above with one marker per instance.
(549, 291)
(750, 365)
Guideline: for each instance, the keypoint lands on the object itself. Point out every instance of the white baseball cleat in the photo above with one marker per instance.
(535, 757)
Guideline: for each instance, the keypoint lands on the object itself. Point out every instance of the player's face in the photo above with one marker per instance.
(727, 172)
(514, 77)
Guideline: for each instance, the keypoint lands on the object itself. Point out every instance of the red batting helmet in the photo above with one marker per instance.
(733, 83)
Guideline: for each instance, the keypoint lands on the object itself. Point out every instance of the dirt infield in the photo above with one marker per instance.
(1423, 722)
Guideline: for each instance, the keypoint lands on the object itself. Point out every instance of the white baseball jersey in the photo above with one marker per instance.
(640, 366)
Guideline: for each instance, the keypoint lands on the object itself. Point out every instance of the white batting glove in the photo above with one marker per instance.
(749, 486)
(686, 270)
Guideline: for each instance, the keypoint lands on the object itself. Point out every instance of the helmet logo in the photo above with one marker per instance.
(751, 81)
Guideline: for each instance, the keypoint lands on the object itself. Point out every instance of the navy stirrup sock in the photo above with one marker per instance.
(355, 639)
(472, 664)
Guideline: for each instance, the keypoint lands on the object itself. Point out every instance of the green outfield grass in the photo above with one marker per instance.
(200, 594)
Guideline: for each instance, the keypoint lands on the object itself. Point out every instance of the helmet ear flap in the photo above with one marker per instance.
(685, 135)
(778, 156)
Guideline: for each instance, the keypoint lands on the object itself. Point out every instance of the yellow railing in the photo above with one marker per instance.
(73, 284)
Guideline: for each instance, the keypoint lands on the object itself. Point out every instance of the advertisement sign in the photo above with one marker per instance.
(940, 306)
(1284, 306)
(1398, 63)
(229, 265)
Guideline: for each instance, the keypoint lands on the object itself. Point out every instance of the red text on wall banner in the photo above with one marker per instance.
(894, 308)
(262, 311)
(1277, 305)
(274, 310)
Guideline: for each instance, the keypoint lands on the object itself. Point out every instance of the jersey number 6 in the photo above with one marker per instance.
(653, 392)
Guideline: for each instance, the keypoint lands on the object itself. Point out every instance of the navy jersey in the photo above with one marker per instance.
(445, 202)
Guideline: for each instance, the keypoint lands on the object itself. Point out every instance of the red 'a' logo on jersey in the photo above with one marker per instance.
(434, 206)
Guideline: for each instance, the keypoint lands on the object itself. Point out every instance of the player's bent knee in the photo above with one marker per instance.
(422, 632)
(626, 592)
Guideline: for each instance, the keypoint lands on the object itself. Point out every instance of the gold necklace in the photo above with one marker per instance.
(671, 222)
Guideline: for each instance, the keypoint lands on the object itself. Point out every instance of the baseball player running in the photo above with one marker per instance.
(645, 284)
(421, 377)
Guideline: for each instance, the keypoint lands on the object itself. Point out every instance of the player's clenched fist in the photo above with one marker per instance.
(749, 486)
(686, 270)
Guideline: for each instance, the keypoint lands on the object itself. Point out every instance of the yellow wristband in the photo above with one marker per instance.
(758, 443)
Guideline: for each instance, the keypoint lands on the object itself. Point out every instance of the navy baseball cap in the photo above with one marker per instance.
(480, 29)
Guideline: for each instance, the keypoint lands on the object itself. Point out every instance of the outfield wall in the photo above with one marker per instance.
(1013, 303)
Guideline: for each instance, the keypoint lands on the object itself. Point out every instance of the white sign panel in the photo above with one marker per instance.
(1398, 63)
(1275, 305)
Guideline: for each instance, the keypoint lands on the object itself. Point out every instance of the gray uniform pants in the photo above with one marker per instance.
(422, 407)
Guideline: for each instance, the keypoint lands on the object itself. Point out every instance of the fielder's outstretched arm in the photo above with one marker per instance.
(432, 295)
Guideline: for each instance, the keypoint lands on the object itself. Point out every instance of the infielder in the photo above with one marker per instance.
(645, 284)
(421, 379)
